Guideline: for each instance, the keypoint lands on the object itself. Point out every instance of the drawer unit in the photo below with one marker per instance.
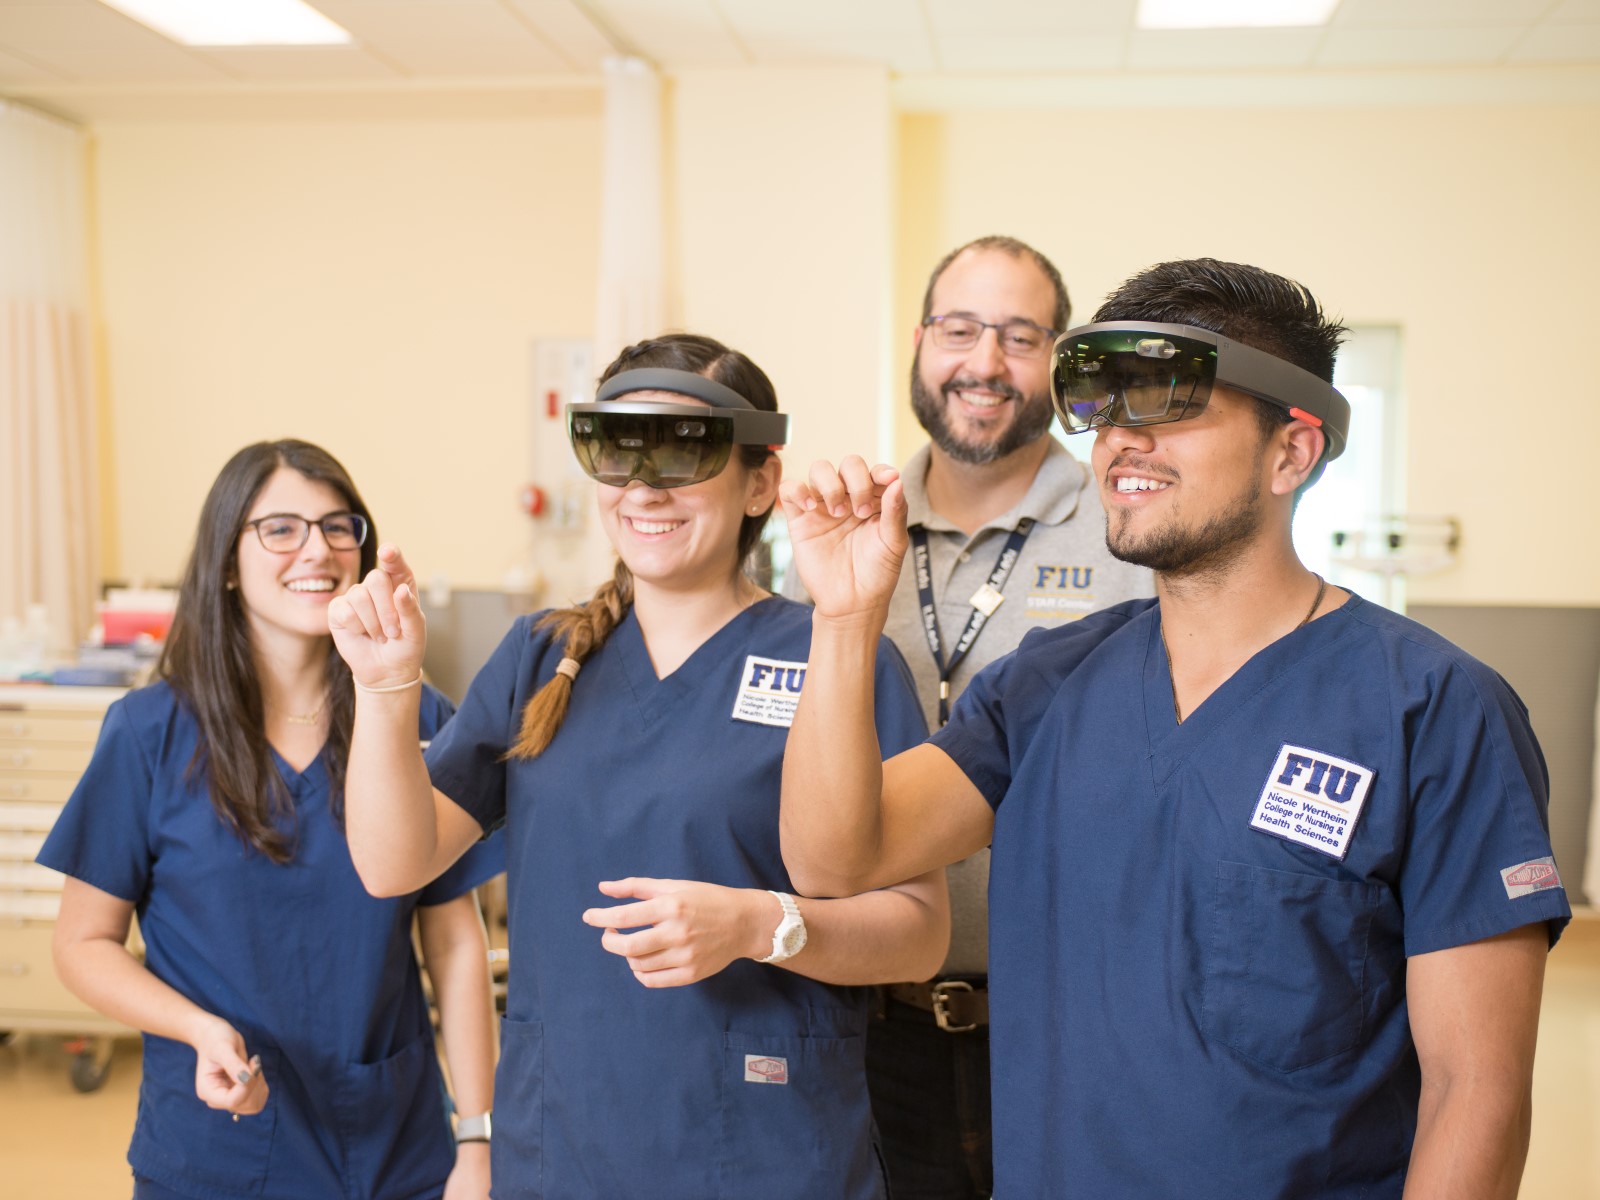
(47, 736)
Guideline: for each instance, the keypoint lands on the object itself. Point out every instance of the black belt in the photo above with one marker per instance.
(957, 1005)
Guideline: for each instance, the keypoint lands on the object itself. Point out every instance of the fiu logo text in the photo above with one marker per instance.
(1312, 798)
(1062, 578)
(769, 691)
(1060, 592)
(1322, 778)
(774, 676)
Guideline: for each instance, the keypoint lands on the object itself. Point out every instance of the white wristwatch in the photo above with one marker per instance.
(473, 1129)
(789, 938)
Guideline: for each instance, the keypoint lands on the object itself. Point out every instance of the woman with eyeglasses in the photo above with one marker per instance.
(701, 1037)
(288, 1050)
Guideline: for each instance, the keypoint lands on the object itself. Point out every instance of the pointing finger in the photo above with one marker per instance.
(394, 564)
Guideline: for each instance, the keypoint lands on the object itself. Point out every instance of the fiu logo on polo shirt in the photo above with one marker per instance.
(769, 691)
(1060, 592)
(1313, 798)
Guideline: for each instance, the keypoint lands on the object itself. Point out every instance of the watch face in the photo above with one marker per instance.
(794, 939)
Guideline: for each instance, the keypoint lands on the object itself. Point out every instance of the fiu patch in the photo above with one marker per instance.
(1524, 879)
(769, 691)
(1313, 798)
(1060, 592)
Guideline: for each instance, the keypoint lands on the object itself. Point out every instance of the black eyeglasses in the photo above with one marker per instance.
(283, 533)
(1018, 338)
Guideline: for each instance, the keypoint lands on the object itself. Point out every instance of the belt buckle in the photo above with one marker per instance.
(941, 998)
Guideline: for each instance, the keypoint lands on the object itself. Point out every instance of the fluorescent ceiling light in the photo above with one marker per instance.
(235, 22)
(1233, 14)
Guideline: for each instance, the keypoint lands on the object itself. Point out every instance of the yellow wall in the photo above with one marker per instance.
(1470, 228)
(372, 286)
(782, 192)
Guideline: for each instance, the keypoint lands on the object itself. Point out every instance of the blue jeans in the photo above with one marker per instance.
(930, 1099)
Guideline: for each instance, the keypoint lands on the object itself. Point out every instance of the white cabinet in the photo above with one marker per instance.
(46, 737)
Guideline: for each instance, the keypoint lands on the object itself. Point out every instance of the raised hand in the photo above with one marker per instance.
(694, 929)
(378, 624)
(848, 529)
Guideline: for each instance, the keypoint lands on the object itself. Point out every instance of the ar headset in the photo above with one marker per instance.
(666, 445)
(1130, 373)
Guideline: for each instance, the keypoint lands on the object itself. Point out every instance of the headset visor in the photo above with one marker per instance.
(664, 445)
(618, 439)
(1131, 373)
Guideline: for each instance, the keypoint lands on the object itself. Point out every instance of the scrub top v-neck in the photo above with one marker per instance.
(319, 977)
(1197, 980)
(750, 1083)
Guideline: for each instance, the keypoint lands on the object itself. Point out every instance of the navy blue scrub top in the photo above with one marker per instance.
(748, 1084)
(1199, 932)
(318, 976)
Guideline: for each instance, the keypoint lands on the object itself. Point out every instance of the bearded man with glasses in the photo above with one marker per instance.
(1009, 533)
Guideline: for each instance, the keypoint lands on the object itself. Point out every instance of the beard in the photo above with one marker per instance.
(1176, 550)
(1030, 423)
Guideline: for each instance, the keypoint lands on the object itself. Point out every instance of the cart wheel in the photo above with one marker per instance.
(91, 1065)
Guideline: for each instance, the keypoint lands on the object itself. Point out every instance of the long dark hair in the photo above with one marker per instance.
(208, 661)
(583, 628)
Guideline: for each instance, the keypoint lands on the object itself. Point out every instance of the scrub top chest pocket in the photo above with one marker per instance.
(1286, 965)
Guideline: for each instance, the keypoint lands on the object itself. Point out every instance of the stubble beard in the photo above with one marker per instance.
(1178, 551)
(1031, 422)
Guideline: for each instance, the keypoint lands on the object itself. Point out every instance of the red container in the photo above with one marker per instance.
(124, 626)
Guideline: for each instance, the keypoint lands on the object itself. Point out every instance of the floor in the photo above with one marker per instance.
(57, 1144)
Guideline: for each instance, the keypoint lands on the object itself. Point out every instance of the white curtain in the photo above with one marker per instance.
(631, 301)
(48, 544)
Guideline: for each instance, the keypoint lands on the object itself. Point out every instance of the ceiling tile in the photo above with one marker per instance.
(17, 70)
(1052, 52)
(1559, 43)
(1026, 17)
(674, 33)
(1220, 49)
(822, 16)
(94, 43)
(566, 27)
(1422, 14)
(446, 37)
(907, 50)
(1393, 47)
(273, 64)
(1574, 12)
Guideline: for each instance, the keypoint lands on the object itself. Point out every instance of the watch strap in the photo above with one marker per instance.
(791, 918)
(473, 1129)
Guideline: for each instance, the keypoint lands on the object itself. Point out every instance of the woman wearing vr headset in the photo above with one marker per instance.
(634, 745)
(288, 1050)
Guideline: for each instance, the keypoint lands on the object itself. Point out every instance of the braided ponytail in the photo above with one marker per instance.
(581, 630)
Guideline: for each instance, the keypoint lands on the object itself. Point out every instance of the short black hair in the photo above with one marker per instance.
(1244, 303)
(1017, 249)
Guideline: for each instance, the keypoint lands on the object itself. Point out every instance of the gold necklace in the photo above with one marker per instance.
(311, 718)
(1177, 711)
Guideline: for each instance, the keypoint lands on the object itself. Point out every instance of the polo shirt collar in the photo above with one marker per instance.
(1054, 495)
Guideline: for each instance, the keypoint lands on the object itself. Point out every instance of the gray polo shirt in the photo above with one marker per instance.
(1064, 572)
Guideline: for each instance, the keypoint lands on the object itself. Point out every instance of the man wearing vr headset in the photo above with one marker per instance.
(1272, 885)
(1007, 535)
